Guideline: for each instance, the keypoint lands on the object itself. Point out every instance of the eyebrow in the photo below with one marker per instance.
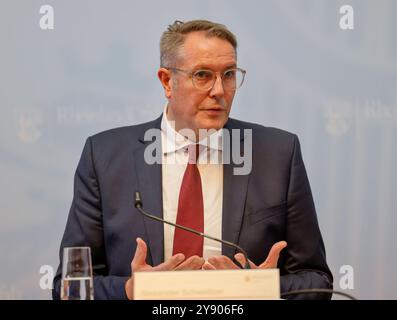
(199, 67)
(234, 65)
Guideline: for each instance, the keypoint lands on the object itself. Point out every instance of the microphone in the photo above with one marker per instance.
(138, 205)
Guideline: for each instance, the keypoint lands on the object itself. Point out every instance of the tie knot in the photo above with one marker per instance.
(193, 152)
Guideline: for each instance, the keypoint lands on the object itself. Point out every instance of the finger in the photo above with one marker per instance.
(274, 254)
(192, 263)
(222, 262)
(208, 266)
(171, 263)
(241, 259)
(139, 259)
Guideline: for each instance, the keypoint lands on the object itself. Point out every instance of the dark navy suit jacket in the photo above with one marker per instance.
(272, 203)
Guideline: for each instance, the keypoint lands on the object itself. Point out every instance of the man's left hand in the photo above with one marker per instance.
(223, 262)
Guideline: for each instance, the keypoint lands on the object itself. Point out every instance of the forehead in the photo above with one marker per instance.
(200, 50)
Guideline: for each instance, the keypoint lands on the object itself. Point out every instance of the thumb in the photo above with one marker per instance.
(272, 258)
(139, 259)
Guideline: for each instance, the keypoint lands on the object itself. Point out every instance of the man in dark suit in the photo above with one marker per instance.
(268, 211)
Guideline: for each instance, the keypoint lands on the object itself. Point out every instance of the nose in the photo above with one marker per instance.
(217, 90)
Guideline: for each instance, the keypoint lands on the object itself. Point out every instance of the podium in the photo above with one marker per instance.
(252, 284)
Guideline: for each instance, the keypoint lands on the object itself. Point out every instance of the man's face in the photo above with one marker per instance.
(198, 109)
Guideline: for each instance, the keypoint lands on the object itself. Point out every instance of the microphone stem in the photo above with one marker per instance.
(138, 205)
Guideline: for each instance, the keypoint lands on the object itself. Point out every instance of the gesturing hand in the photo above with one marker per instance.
(176, 262)
(223, 262)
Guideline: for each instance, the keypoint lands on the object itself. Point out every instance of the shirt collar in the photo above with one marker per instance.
(174, 141)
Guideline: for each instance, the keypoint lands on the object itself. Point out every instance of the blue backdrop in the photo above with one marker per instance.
(337, 89)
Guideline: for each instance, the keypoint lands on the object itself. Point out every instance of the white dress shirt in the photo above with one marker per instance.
(174, 159)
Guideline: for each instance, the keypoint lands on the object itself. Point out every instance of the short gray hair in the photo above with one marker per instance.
(173, 38)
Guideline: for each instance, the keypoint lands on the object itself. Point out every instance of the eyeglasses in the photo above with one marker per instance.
(203, 79)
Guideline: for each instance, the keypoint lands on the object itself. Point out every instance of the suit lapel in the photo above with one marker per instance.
(150, 186)
(234, 197)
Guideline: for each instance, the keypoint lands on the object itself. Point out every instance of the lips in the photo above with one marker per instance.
(213, 109)
(214, 112)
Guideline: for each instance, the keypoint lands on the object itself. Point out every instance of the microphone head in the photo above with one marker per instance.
(138, 200)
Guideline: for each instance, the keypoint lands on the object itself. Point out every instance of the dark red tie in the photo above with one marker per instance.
(190, 209)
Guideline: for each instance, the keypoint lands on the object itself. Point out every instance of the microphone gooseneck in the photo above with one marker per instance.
(138, 205)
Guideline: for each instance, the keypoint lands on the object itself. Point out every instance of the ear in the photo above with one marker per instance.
(166, 81)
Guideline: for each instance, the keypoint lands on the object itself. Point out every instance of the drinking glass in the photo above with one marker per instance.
(77, 281)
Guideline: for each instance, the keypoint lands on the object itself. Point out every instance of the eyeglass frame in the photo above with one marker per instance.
(192, 73)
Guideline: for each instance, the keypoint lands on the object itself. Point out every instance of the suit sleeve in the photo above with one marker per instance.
(84, 228)
(304, 264)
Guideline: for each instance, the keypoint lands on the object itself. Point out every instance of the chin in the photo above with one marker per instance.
(218, 124)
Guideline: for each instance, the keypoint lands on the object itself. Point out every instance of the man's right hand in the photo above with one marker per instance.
(176, 262)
